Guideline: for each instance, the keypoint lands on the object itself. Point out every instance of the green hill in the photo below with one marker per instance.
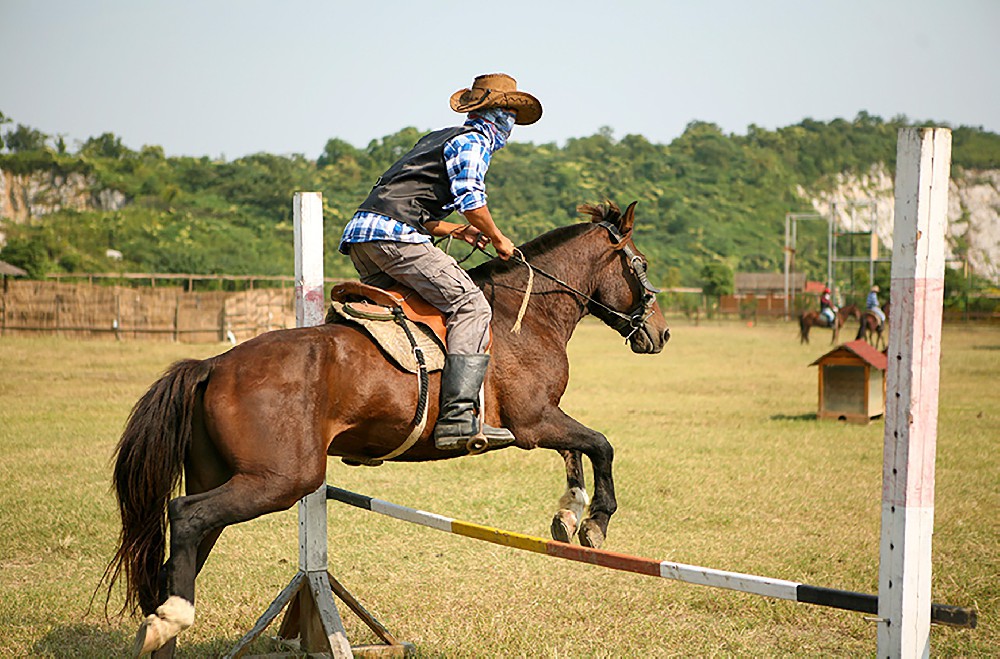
(708, 200)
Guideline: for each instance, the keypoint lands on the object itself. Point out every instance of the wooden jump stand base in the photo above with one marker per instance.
(312, 626)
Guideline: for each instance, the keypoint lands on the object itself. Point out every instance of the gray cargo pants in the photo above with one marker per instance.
(437, 278)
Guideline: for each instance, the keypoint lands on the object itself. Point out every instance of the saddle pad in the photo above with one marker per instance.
(392, 339)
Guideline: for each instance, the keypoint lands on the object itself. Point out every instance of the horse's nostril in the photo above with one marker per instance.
(666, 335)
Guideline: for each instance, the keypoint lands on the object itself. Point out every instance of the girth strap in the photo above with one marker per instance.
(419, 423)
(420, 417)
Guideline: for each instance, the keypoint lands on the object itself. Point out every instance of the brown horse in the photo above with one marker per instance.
(250, 430)
(873, 328)
(810, 319)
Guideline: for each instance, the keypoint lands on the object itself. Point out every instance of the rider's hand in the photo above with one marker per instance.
(504, 247)
(482, 220)
(473, 236)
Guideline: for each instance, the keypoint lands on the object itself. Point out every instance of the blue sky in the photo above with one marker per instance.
(225, 78)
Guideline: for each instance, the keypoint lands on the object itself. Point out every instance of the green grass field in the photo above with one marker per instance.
(719, 463)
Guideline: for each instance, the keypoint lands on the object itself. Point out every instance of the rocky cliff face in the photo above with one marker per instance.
(40, 193)
(862, 202)
(973, 213)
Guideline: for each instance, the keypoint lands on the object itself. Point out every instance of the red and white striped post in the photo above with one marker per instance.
(923, 161)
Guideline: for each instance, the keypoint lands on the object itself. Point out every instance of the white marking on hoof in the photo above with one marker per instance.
(576, 500)
(171, 618)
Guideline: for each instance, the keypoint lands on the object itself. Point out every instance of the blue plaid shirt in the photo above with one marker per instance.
(467, 157)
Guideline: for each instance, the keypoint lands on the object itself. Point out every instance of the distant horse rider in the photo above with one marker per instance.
(826, 308)
(389, 238)
(872, 306)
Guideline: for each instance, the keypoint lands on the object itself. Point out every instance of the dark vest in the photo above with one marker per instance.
(416, 188)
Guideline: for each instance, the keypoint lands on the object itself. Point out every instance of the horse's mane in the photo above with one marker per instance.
(550, 240)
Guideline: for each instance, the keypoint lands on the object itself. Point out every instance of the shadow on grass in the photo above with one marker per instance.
(98, 642)
(83, 641)
(811, 416)
(986, 347)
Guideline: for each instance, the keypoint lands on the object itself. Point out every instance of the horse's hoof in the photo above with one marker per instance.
(147, 638)
(563, 526)
(171, 618)
(591, 534)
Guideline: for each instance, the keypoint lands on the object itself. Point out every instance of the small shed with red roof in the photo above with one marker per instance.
(852, 383)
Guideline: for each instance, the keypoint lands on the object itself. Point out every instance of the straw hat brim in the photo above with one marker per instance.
(527, 108)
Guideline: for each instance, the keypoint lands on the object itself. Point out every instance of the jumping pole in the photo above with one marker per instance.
(923, 161)
(693, 574)
(312, 614)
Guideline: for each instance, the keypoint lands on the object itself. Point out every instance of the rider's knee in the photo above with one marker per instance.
(475, 308)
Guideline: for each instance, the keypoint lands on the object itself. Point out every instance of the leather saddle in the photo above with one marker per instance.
(381, 303)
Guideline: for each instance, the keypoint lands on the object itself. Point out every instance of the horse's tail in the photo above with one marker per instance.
(803, 329)
(148, 469)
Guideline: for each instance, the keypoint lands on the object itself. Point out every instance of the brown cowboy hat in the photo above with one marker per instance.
(497, 90)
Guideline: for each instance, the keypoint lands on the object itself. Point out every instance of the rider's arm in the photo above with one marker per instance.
(440, 228)
(467, 158)
(466, 232)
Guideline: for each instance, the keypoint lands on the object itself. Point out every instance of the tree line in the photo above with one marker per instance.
(710, 203)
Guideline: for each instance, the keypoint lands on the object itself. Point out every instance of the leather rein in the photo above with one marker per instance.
(627, 323)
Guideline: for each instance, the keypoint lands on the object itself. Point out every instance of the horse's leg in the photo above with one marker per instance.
(574, 500)
(195, 518)
(204, 470)
(204, 549)
(563, 433)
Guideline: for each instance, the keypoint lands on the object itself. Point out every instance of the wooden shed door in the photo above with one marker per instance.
(844, 389)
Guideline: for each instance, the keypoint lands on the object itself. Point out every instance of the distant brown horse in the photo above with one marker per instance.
(250, 430)
(810, 319)
(873, 328)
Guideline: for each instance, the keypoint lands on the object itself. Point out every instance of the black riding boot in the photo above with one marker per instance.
(458, 420)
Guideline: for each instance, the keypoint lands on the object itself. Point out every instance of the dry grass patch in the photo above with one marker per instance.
(718, 463)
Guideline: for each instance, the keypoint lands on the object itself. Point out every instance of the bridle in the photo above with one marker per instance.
(625, 323)
(630, 322)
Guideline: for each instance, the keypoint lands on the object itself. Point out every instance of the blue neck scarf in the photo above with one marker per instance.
(495, 123)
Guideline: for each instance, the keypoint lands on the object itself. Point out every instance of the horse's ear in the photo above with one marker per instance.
(628, 219)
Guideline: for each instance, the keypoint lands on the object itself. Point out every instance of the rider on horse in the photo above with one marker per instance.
(826, 308)
(388, 239)
(873, 307)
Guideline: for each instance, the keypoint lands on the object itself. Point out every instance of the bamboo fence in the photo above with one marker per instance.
(164, 313)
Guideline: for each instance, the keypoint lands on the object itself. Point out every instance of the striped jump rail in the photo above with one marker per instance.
(944, 614)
